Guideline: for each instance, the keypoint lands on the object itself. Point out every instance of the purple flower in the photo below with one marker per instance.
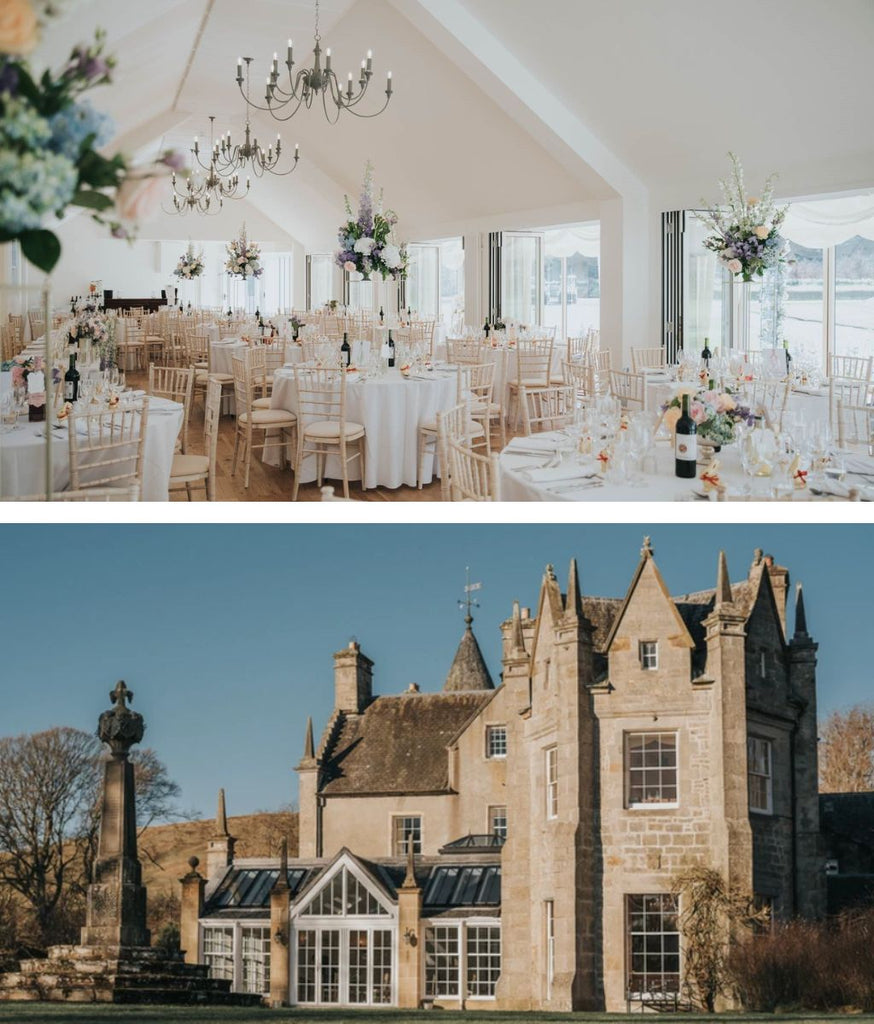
(9, 78)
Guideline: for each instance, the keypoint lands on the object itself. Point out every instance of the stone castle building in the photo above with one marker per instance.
(517, 846)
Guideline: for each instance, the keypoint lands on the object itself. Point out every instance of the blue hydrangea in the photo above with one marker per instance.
(33, 185)
(72, 125)
(22, 127)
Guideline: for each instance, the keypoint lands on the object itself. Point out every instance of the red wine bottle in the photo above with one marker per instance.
(71, 381)
(685, 444)
(345, 351)
(391, 351)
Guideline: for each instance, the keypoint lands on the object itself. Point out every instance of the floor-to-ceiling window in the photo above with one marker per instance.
(320, 280)
(521, 274)
(571, 293)
(276, 283)
(435, 280)
(854, 297)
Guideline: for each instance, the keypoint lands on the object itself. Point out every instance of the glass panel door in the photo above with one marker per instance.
(854, 298)
(706, 306)
(329, 971)
(423, 279)
(321, 280)
(521, 276)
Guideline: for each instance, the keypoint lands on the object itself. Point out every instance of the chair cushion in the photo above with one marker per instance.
(473, 429)
(188, 466)
(261, 403)
(222, 378)
(480, 408)
(328, 429)
(269, 418)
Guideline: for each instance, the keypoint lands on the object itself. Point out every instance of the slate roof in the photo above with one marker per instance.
(448, 886)
(398, 744)
(468, 670)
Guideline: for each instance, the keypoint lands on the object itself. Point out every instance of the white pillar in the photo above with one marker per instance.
(476, 280)
(626, 319)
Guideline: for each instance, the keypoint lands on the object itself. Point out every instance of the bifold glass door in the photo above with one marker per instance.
(344, 966)
(707, 308)
(521, 276)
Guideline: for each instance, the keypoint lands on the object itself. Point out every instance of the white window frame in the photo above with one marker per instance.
(549, 943)
(493, 808)
(648, 650)
(461, 929)
(645, 994)
(395, 849)
(628, 771)
(236, 927)
(768, 776)
(495, 730)
(550, 762)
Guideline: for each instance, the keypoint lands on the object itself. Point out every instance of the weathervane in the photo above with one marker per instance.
(468, 601)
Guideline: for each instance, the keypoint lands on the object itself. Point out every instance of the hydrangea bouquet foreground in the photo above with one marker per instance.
(49, 158)
(366, 245)
(714, 412)
(746, 230)
(190, 265)
(244, 257)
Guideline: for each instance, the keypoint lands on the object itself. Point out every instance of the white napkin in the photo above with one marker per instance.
(565, 472)
(544, 444)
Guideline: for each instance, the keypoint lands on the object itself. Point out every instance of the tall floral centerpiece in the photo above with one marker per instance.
(366, 244)
(190, 265)
(746, 230)
(92, 329)
(244, 257)
(50, 139)
(715, 413)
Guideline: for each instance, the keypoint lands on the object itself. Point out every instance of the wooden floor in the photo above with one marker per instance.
(267, 483)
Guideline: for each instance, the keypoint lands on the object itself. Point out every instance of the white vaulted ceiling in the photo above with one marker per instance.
(507, 107)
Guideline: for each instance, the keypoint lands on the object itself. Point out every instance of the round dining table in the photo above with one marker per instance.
(23, 461)
(390, 407)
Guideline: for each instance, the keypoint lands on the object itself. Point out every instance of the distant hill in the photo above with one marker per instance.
(164, 851)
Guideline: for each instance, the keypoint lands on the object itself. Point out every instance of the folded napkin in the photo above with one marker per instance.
(859, 464)
(545, 444)
(564, 473)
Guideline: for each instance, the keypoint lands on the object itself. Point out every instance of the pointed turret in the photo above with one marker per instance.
(723, 581)
(469, 670)
(308, 749)
(573, 602)
(410, 876)
(800, 616)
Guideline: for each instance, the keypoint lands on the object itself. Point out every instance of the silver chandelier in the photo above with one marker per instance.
(308, 84)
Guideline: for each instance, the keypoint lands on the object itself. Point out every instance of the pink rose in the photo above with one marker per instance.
(725, 403)
(735, 266)
(139, 198)
(349, 265)
(18, 27)
(17, 377)
(698, 412)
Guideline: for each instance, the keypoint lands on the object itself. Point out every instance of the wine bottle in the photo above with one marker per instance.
(685, 444)
(706, 354)
(257, 313)
(486, 328)
(71, 381)
(345, 351)
(788, 357)
(391, 351)
(381, 317)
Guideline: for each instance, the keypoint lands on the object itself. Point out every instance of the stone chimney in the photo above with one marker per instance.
(353, 680)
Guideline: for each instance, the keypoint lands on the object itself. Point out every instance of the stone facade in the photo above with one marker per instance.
(630, 739)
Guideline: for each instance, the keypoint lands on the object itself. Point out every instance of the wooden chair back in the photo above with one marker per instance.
(106, 448)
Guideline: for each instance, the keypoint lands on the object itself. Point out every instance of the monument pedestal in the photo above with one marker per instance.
(115, 963)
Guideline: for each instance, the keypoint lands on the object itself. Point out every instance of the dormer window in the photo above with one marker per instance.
(649, 654)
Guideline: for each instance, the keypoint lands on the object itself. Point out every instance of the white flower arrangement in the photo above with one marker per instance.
(746, 234)
(189, 265)
(244, 257)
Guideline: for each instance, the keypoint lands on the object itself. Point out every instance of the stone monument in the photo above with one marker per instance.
(115, 963)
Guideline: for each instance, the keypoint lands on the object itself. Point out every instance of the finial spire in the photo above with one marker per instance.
(723, 581)
(468, 601)
(574, 603)
(517, 645)
(283, 858)
(647, 550)
(308, 747)
(800, 616)
(410, 876)
(221, 818)
(120, 694)
(549, 573)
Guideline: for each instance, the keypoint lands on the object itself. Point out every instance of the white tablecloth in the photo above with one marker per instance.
(391, 409)
(22, 455)
(661, 485)
(505, 367)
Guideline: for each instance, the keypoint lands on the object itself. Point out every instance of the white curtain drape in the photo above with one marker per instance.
(582, 238)
(828, 222)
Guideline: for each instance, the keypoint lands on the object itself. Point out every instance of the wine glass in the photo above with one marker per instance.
(8, 411)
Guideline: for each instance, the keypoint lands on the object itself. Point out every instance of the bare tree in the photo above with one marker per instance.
(50, 788)
(711, 910)
(846, 751)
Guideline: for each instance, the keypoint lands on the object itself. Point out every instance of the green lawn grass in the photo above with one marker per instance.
(54, 1013)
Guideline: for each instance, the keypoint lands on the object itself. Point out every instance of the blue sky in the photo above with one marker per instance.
(225, 633)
